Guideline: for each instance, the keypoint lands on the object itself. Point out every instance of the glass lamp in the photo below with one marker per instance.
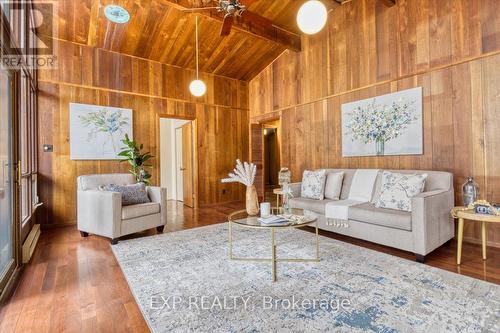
(284, 176)
(470, 191)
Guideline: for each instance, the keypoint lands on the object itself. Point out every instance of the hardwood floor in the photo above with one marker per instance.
(74, 284)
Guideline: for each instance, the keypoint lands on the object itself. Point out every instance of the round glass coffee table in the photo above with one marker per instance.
(299, 219)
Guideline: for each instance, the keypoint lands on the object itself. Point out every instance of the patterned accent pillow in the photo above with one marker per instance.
(131, 194)
(398, 189)
(313, 184)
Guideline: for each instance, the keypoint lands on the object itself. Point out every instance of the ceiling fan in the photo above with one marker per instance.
(232, 9)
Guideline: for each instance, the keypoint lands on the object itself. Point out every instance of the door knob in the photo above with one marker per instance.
(183, 169)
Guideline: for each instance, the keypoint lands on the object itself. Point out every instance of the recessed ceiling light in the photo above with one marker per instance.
(116, 14)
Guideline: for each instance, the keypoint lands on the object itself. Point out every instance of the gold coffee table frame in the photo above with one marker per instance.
(241, 218)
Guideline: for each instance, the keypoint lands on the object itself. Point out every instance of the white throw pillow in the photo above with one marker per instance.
(313, 184)
(333, 186)
(398, 189)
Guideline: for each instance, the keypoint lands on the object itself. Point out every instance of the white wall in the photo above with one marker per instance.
(167, 155)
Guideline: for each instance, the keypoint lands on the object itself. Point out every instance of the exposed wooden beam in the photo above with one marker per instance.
(389, 3)
(264, 30)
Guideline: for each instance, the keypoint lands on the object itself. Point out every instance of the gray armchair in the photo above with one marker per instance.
(101, 212)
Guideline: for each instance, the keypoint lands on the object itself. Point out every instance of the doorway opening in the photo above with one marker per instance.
(266, 154)
(178, 165)
(271, 158)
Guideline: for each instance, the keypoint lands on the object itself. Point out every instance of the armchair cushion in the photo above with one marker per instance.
(133, 211)
(131, 194)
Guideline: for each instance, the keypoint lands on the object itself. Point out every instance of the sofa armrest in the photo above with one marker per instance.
(159, 195)
(99, 212)
(432, 224)
(295, 188)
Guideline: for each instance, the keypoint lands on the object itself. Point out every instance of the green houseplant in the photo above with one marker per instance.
(137, 160)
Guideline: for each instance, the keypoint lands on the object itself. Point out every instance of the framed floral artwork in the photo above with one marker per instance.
(96, 131)
(384, 125)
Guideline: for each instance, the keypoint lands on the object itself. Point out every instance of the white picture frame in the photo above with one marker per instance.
(96, 131)
(385, 125)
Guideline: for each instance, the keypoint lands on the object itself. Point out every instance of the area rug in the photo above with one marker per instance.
(185, 282)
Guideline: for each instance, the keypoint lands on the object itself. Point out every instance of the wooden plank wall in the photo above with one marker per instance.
(451, 48)
(152, 90)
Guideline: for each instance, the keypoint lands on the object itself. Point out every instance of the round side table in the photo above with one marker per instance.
(278, 192)
(462, 213)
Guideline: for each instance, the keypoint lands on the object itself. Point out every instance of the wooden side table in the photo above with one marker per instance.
(461, 213)
(278, 192)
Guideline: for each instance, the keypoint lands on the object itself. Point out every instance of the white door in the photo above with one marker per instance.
(179, 183)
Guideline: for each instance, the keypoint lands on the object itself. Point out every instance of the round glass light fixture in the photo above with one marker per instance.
(197, 88)
(312, 17)
(116, 14)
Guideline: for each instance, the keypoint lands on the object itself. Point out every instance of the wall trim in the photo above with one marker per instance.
(48, 226)
(116, 91)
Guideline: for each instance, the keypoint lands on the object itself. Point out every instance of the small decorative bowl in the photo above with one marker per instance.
(483, 209)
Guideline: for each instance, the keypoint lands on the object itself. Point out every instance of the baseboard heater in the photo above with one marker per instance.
(30, 243)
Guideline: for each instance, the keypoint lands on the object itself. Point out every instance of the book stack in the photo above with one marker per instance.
(273, 220)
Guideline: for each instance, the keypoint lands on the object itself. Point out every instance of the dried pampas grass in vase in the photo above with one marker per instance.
(244, 173)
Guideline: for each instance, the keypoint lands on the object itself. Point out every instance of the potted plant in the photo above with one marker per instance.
(137, 160)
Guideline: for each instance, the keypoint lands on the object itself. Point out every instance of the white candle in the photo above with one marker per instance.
(265, 209)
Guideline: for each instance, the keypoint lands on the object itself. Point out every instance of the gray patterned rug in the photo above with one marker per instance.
(184, 281)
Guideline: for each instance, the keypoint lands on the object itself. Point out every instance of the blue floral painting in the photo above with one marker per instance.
(384, 125)
(96, 131)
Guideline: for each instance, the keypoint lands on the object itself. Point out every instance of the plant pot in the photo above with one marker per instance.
(252, 201)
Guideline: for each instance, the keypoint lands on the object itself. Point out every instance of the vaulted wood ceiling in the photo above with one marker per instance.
(159, 31)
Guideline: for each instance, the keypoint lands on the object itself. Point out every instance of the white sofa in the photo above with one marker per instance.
(101, 212)
(425, 228)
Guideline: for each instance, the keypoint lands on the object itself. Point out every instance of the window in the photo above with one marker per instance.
(21, 23)
(18, 131)
(28, 152)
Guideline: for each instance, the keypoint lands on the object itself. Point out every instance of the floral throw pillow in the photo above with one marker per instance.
(131, 194)
(398, 189)
(313, 184)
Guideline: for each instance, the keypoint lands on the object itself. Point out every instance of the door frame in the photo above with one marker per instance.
(187, 129)
(177, 170)
(10, 276)
(263, 124)
(194, 122)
